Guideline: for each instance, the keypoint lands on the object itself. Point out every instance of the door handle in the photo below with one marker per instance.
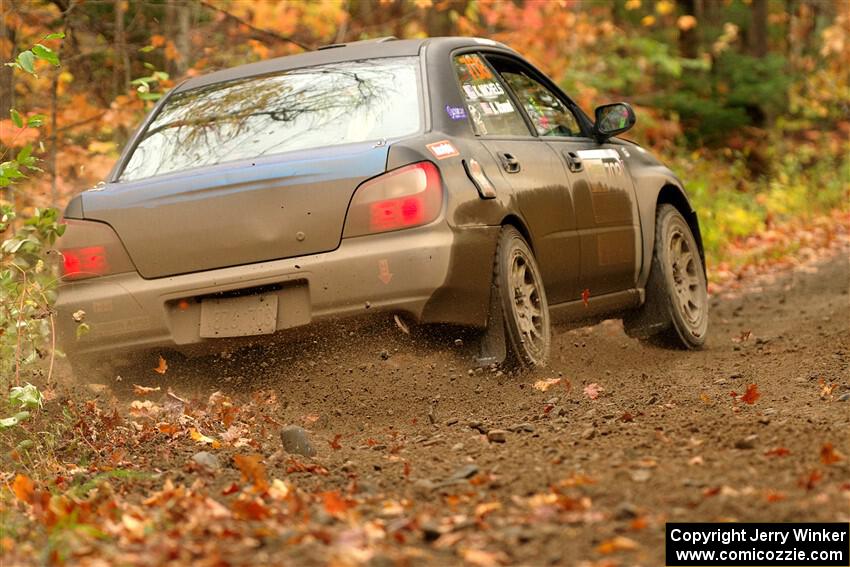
(509, 162)
(573, 161)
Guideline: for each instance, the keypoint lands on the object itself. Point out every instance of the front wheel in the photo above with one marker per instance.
(676, 308)
(523, 301)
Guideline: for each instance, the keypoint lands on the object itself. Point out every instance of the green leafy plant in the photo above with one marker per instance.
(27, 278)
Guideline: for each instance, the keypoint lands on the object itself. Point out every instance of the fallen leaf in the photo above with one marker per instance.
(310, 419)
(335, 504)
(481, 558)
(297, 466)
(250, 509)
(592, 390)
(627, 417)
(406, 469)
(695, 461)
(486, 508)
(144, 390)
(201, 438)
(828, 454)
(810, 480)
(23, 487)
(585, 296)
(162, 367)
(615, 544)
(544, 385)
(751, 395)
(334, 443)
(826, 389)
(744, 336)
(144, 408)
(777, 452)
(279, 490)
(253, 471)
(774, 496)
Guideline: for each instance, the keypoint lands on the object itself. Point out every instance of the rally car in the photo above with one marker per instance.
(443, 180)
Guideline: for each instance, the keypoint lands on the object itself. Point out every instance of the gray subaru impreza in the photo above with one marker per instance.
(444, 180)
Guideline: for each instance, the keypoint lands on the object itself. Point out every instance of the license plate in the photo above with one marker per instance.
(239, 316)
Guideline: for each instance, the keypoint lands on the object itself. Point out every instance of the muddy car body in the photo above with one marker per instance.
(446, 180)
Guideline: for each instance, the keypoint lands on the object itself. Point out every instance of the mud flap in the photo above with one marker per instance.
(492, 348)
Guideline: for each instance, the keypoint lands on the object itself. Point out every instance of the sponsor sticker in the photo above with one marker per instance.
(442, 149)
(456, 112)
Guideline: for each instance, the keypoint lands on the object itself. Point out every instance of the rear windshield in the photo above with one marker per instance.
(327, 105)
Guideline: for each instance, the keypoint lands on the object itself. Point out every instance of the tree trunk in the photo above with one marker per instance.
(758, 28)
(121, 69)
(7, 78)
(688, 38)
(184, 17)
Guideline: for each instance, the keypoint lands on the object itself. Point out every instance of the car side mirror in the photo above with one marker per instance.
(613, 119)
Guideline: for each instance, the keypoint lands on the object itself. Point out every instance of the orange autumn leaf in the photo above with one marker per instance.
(751, 395)
(615, 544)
(144, 390)
(585, 296)
(201, 438)
(828, 454)
(334, 443)
(252, 509)
(810, 480)
(592, 390)
(777, 452)
(162, 367)
(335, 504)
(253, 471)
(638, 524)
(23, 487)
(774, 496)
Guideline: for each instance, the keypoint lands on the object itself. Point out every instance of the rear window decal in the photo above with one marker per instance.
(476, 68)
(456, 112)
(442, 149)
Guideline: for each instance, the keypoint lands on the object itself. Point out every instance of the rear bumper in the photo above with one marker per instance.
(432, 274)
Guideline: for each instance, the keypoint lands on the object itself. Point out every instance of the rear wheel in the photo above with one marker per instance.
(525, 311)
(676, 308)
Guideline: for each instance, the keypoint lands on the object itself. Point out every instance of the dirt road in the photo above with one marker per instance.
(422, 461)
(670, 436)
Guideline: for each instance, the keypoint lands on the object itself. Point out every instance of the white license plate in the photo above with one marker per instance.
(239, 316)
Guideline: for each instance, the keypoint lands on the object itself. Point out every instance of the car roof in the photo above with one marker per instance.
(358, 50)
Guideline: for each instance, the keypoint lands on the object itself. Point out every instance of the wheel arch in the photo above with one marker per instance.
(673, 195)
(516, 222)
(668, 193)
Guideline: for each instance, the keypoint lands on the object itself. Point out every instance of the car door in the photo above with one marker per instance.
(530, 170)
(601, 190)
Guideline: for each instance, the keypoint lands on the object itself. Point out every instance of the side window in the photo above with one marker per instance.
(550, 116)
(489, 106)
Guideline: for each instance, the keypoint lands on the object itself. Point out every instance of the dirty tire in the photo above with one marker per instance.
(525, 310)
(675, 313)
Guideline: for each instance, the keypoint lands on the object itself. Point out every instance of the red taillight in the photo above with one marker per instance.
(85, 262)
(403, 198)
